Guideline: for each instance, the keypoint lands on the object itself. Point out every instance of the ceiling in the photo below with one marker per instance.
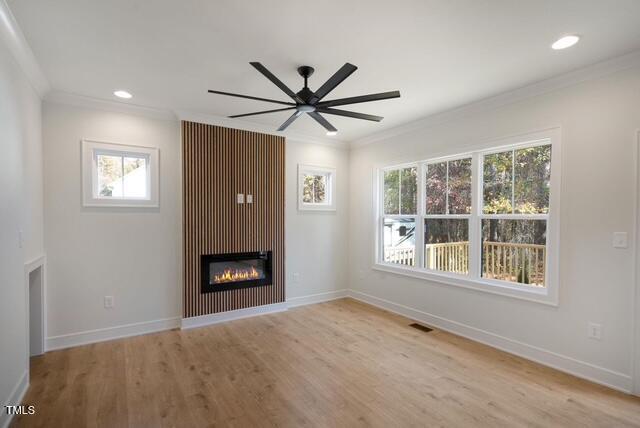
(439, 54)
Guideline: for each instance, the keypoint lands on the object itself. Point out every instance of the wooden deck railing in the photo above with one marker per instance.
(448, 257)
(524, 263)
(400, 255)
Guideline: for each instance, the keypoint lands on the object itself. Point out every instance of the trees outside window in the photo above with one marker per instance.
(483, 215)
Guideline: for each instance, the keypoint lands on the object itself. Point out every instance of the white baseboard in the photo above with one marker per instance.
(204, 320)
(317, 298)
(15, 398)
(110, 333)
(591, 372)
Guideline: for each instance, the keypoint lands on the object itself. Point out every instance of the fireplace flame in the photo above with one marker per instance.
(232, 275)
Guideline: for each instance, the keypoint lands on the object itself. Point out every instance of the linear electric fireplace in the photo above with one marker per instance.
(235, 270)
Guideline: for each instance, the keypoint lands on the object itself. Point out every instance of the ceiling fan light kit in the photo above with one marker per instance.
(310, 102)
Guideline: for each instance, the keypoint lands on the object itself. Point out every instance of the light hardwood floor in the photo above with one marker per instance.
(341, 363)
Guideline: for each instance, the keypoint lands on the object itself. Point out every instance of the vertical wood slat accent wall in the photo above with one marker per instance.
(219, 163)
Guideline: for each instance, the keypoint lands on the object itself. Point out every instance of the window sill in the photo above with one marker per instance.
(120, 203)
(502, 288)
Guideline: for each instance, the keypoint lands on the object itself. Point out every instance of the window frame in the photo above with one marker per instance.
(91, 149)
(473, 280)
(330, 190)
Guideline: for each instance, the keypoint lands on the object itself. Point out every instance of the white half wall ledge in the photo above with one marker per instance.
(581, 369)
(12, 36)
(15, 399)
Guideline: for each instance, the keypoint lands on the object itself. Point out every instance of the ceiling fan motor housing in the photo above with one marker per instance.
(310, 102)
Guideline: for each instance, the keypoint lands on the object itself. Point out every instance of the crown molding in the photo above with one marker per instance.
(565, 80)
(76, 100)
(11, 35)
(264, 129)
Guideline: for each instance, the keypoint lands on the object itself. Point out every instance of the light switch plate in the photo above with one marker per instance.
(595, 331)
(240, 198)
(249, 199)
(108, 302)
(620, 240)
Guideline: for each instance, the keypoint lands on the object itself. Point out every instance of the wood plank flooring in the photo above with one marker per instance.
(341, 363)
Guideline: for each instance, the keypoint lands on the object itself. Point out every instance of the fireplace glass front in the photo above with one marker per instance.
(235, 270)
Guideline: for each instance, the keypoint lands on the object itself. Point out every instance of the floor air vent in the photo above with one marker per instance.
(421, 327)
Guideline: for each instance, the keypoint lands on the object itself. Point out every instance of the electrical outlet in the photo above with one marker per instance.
(620, 240)
(108, 302)
(249, 199)
(595, 331)
(295, 277)
(240, 198)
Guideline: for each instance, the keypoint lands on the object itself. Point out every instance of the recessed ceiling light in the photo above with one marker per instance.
(122, 94)
(332, 133)
(565, 42)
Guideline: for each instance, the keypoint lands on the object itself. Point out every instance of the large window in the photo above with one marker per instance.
(482, 219)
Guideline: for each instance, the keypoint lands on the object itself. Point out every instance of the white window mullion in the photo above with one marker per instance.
(475, 238)
(421, 211)
(513, 181)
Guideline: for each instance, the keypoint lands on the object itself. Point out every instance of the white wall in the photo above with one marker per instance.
(135, 254)
(20, 209)
(132, 254)
(599, 121)
(316, 241)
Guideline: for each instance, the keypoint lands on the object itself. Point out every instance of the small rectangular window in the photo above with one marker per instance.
(119, 175)
(316, 188)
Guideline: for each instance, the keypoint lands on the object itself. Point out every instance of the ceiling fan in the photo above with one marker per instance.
(310, 102)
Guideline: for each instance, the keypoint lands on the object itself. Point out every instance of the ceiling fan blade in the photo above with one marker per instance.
(350, 114)
(289, 121)
(359, 99)
(322, 121)
(250, 97)
(262, 112)
(262, 69)
(339, 76)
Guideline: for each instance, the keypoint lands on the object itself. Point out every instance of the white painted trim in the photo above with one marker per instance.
(317, 298)
(66, 98)
(145, 327)
(572, 78)
(38, 262)
(635, 308)
(591, 372)
(204, 320)
(250, 126)
(15, 41)
(14, 399)
(110, 333)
